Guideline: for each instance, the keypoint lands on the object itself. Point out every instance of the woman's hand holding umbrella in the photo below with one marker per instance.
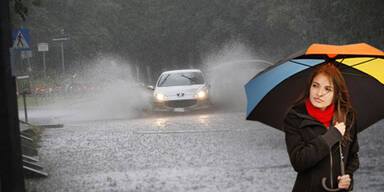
(340, 127)
(344, 181)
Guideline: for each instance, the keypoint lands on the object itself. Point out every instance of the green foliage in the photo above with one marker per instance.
(36, 2)
(163, 33)
(21, 9)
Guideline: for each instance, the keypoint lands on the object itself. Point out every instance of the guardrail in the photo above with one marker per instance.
(29, 137)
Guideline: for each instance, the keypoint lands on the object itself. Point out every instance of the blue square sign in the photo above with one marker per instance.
(21, 40)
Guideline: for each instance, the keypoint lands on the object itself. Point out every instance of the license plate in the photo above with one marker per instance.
(179, 110)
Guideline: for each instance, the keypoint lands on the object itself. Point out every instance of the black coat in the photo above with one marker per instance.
(311, 146)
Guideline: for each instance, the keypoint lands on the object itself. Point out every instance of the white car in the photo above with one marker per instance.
(181, 90)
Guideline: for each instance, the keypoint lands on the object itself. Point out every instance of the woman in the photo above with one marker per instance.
(319, 123)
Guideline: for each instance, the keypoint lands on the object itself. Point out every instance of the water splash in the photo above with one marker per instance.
(228, 71)
(113, 93)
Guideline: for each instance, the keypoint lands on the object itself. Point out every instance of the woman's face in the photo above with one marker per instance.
(321, 92)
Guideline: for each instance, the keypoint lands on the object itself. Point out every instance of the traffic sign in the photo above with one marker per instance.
(62, 38)
(21, 41)
(42, 47)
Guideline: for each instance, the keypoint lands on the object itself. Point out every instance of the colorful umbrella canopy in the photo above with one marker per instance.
(273, 91)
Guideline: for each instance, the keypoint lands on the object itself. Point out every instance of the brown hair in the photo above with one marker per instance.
(343, 107)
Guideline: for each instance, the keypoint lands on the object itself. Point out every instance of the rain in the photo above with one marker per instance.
(93, 118)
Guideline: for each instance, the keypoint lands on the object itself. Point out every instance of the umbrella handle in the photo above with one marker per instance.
(325, 185)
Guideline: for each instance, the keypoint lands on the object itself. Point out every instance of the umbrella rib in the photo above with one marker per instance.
(363, 62)
(354, 74)
(300, 63)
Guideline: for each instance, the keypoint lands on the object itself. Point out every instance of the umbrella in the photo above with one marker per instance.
(272, 92)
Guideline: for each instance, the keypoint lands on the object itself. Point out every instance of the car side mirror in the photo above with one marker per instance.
(150, 87)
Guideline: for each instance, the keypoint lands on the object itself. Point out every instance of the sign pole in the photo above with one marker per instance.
(43, 47)
(45, 67)
(30, 70)
(29, 64)
(62, 56)
(23, 83)
(25, 108)
(63, 37)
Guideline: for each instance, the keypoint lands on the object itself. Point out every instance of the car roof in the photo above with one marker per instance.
(182, 71)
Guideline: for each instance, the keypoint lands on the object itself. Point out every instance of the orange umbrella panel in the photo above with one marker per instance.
(360, 49)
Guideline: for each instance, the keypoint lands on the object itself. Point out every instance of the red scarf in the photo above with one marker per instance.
(323, 116)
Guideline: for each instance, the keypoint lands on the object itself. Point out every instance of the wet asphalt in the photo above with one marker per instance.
(206, 151)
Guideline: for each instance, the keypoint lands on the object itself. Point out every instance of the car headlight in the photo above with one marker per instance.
(202, 94)
(160, 97)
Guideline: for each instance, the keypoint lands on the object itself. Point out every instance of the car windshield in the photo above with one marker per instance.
(180, 79)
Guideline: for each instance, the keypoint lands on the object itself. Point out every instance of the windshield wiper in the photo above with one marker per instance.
(162, 82)
(191, 79)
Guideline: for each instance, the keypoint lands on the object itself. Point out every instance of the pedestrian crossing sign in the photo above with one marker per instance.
(21, 40)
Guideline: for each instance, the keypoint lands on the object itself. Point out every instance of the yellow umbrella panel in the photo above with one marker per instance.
(372, 66)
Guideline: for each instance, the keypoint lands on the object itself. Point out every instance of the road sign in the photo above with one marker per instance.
(23, 84)
(21, 41)
(42, 47)
(62, 38)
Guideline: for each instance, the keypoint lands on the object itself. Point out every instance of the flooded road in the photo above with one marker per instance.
(208, 151)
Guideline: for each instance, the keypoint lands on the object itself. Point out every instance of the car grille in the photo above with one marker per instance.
(180, 103)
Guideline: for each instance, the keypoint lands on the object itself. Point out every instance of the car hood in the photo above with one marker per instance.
(173, 90)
